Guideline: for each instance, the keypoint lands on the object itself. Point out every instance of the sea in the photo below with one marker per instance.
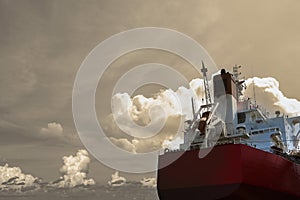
(95, 192)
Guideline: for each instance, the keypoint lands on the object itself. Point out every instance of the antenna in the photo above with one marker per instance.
(253, 87)
(240, 83)
(206, 87)
(236, 72)
(254, 96)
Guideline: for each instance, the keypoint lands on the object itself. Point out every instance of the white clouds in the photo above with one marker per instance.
(139, 108)
(141, 116)
(117, 180)
(53, 130)
(124, 144)
(149, 182)
(14, 178)
(143, 145)
(269, 95)
(166, 110)
(75, 171)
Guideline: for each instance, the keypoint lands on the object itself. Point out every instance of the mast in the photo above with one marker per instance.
(253, 87)
(240, 84)
(206, 87)
(193, 108)
(254, 93)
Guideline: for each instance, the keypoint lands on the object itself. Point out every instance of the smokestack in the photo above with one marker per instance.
(225, 94)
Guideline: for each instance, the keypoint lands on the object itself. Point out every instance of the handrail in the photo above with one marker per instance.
(264, 130)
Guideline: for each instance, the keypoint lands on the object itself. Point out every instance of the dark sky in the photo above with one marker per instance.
(42, 44)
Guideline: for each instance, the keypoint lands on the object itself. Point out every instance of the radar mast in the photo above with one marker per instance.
(206, 87)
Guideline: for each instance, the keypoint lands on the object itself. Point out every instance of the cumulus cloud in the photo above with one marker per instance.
(149, 182)
(14, 178)
(74, 171)
(268, 94)
(139, 108)
(171, 102)
(143, 145)
(53, 130)
(124, 144)
(168, 106)
(117, 180)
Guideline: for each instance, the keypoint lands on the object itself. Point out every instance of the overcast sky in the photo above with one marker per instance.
(42, 44)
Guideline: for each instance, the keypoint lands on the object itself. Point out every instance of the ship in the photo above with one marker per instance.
(232, 148)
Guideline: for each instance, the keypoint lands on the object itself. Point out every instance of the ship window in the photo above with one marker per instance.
(241, 117)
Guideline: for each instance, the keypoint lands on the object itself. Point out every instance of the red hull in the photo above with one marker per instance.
(230, 172)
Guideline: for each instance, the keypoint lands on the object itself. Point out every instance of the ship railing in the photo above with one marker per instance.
(247, 103)
(264, 130)
(232, 141)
